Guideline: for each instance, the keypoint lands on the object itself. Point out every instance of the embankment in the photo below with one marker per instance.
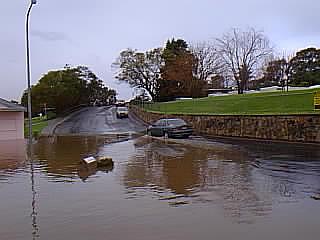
(294, 128)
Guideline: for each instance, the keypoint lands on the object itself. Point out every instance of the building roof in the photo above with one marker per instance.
(6, 106)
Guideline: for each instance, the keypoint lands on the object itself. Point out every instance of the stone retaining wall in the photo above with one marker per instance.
(295, 128)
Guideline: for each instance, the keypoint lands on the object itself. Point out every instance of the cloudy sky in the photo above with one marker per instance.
(93, 32)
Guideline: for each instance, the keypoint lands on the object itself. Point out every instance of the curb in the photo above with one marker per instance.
(53, 128)
(134, 117)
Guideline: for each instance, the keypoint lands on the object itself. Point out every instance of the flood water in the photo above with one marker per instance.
(159, 189)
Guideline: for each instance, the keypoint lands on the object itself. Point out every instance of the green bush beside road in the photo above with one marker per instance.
(292, 102)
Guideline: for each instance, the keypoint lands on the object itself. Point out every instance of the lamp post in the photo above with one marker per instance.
(33, 2)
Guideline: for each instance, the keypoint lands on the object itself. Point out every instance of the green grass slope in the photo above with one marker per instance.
(292, 102)
(37, 126)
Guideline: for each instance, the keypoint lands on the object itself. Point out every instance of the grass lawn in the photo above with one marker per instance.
(292, 102)
(37, 126)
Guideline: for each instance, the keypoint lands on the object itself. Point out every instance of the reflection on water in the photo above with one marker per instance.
(34, 213)
(187, 174)
(85, 172)
(12, 157)
(151, 180)
(60, 156)
(243, 182)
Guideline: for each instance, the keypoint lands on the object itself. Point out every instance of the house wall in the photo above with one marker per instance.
(11, 125)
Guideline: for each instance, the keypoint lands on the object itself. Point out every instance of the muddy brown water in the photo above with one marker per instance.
(159, 190)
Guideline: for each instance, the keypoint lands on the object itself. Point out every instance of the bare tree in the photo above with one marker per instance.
(276, 70)
(140, 70)
(208, 61)
(243, 53)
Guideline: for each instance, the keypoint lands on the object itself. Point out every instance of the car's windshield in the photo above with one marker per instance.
(122, 109)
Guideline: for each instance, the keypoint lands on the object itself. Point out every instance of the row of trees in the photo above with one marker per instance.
(67, 88)
(241, 58)
(165, 74)
(180, 70)
(303, 69)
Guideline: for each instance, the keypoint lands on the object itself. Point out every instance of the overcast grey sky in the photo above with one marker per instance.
(93, 32)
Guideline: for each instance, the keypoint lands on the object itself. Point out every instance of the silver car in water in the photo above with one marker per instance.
(122, 112)
(170, 127)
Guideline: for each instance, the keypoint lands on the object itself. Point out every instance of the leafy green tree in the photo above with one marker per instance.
(67, 88)
(177, 73)
(304, 68)
(175, 48)
(141, 69)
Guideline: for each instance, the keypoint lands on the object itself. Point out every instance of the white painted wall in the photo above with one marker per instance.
(11, 125)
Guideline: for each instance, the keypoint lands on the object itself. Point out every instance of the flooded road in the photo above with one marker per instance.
(99, 121)
(156, 189)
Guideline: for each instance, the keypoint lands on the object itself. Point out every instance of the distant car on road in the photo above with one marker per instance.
(170, 127)
(122, 112)
(120, 103)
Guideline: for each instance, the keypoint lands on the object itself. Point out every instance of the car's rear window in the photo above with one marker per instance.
(160, 122)
(176, 122)
(122, 109)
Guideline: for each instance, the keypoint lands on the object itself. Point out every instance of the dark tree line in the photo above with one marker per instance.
(180, 70)
(304, 68)
(177, 73)
(64, 89)
(164, 73)
(243, 58)
(301, 70)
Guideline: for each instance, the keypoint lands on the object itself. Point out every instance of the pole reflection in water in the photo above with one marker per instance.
(34, 213)
(158, 189)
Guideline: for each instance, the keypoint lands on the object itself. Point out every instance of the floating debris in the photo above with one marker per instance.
(316, 197)
(178, 203)
(104, 161)
(89, 161)
(98, 161)
(90, 165)
(172, 197)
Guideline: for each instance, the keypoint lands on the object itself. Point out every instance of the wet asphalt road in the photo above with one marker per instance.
(99, 121)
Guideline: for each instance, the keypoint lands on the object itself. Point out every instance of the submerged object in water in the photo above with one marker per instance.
(316, 197)
(104, 161)
(101, 161)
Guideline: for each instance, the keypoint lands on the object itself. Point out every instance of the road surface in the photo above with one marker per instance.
(99, 121)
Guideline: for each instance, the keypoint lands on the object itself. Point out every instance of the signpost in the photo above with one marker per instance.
(316, 100)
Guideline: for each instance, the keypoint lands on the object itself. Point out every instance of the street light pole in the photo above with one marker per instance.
(33, 2)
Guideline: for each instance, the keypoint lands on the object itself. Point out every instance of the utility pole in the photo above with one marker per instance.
(33, 2)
